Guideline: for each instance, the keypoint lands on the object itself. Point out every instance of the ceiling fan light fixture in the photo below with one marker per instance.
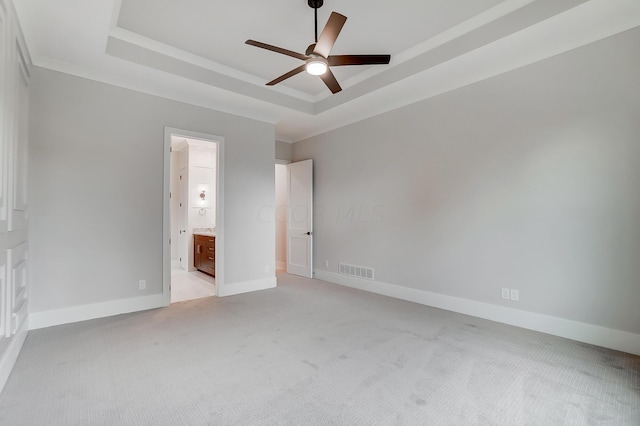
(316, 66)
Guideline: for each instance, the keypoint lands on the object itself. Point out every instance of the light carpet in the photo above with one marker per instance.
(313, 353)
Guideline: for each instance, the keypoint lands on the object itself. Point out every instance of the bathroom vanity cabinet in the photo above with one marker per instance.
(204, 253)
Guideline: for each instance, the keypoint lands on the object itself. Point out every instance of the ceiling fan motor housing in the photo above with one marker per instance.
(315, 3)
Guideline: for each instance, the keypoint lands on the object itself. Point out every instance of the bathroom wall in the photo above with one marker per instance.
(179, 158)
(202, 178)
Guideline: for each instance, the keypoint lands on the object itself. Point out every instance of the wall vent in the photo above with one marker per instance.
(356, 271)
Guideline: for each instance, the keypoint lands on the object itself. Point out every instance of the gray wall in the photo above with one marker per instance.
(528, 180)
(96, 164)
(284, 151)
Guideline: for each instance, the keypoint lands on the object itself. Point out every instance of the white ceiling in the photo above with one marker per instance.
(218, 34)
(193, 50)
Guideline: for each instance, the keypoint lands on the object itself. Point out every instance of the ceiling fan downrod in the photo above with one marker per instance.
(315, 4)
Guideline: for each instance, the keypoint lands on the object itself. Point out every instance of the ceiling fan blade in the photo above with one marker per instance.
(339, 60)
(329, 34)
(331, 82)
(287, 75)
(277, 49)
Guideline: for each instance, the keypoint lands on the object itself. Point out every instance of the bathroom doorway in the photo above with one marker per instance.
(193, 221)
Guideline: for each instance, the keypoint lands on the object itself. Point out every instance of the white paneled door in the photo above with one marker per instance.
(300, 218)
(5, 119)
(17, 262)
(14, 109)
(18, 218)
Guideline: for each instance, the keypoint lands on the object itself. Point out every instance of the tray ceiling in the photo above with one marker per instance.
(193, 50)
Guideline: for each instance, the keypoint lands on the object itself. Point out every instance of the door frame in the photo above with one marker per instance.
(170, 132)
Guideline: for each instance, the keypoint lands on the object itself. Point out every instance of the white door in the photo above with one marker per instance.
(183, 193)
(300, 218)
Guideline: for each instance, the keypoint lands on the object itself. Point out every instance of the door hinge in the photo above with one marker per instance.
(170, 149)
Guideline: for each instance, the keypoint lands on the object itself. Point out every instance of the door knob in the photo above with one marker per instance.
(308, 233)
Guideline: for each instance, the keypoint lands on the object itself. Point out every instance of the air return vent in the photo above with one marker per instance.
(356, 271)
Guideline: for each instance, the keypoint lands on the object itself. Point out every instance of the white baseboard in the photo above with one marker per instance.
(582, 332)
(123, 306)
(246, 286)
(94, 310)
(10, 355)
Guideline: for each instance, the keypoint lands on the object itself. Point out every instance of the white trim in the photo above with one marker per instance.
(115, 15)
(383, 88)
(484, 18)
(582, 332)
(19, 35)
(245, 286)
(141, 42)
(10, 355)
(169, 132)
(188, 95)
(92, 311)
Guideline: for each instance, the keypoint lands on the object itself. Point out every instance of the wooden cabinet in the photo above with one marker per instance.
(204, 254)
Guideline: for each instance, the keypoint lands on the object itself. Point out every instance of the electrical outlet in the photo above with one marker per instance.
(515, 294)
(142, 284)
(326, 263)
(266, 268)
(505, 293)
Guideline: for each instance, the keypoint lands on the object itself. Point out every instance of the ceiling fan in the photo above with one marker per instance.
(317, 59)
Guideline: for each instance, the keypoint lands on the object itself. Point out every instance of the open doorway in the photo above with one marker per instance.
(193, 219)
(281, 218)
(294, 218)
